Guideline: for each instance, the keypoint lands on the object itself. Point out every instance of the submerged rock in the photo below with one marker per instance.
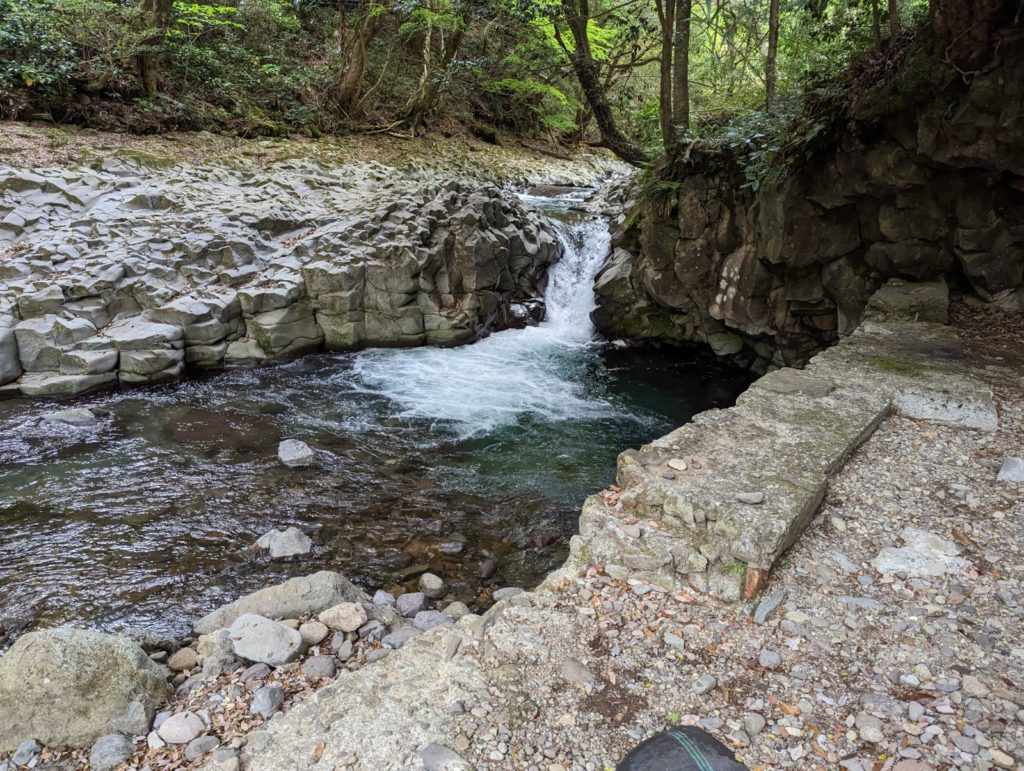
(78, 416)
(67, 687)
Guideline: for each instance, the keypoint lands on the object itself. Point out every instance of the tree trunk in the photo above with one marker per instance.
(681, 70)
(423, 100)
(585, 67)
(352, 80)
(894, 19)
(876, 24)
(666, 18)
(155, 18)
(770, 72)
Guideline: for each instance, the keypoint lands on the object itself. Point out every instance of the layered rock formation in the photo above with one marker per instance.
(126, 274)
(919, 178)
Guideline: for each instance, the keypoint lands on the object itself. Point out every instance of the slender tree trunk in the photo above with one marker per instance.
(426, 95)
(582, 60)
(352, 80)
(876, 24)
(155, 17)
(666, 17)
(681, 70)
(894, 19)
(770, 72)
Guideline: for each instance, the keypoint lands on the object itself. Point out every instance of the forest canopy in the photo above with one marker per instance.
(632, 75)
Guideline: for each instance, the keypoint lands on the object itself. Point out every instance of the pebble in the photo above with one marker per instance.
(705, 684)
(428, 619)
(432, 586)
(380, 597)
(186, 658)
(769, 659)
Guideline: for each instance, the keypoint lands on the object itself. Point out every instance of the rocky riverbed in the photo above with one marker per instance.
(886, 637)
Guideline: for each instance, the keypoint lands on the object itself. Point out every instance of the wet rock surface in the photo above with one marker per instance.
(898, 191)
(128, 274)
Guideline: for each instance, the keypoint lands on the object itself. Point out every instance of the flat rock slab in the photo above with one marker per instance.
(924, 555)
(722, 497)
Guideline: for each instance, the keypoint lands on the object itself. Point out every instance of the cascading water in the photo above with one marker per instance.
(533, 371)
(436, 457)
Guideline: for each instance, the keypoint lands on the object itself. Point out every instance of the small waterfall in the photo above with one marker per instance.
(511, 374)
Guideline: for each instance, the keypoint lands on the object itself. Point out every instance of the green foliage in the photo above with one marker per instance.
(552, 108)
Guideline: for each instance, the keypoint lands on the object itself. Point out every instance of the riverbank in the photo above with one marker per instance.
(842, 662)
(39, 146)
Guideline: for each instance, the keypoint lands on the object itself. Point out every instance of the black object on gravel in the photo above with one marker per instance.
(683, 748)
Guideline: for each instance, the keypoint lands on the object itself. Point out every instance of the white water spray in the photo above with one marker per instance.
(511, 374)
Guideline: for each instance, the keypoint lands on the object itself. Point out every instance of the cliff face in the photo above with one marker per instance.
(921, 177)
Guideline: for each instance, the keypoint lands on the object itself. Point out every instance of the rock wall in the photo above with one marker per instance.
(125, 274)
(921, 178)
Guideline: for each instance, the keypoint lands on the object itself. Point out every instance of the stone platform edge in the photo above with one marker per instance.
(715, 503)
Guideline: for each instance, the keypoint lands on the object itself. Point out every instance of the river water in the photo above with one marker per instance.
(448, 459)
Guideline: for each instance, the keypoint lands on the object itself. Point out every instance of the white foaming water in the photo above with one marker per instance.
(511, 374)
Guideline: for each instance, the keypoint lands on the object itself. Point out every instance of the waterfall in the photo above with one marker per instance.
(511, 374)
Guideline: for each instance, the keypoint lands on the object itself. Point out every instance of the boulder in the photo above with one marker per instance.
(67, 687)
(295, 597)
(290, 542)
(258, 639)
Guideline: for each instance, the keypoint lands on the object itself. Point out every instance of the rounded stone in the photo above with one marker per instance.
(181, 728)
(184, 659)
(200, 746)
(678, 464)
(345, 616)
(110, 751)
(313, 632)
(319, 667)
(258, 639)
(433, 586)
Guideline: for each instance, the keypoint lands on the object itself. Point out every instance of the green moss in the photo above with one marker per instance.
(901, 367)
(736, 566)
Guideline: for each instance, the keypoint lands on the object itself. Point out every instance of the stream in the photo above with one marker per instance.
(471, 462)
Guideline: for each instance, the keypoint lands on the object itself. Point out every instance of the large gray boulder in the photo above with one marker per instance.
(67, 687)
(293, 598)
